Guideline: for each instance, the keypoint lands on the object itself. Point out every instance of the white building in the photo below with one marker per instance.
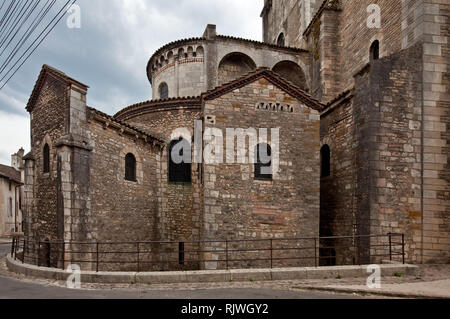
(11, 194)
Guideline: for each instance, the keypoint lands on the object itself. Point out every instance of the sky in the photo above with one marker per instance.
(110, 51)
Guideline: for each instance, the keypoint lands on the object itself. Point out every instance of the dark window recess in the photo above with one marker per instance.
(325, 161)
(375, 50)
(281, 40)
(46, 158)
(163, 91)
(180, 172)
(263, 162)
(130, 167)
(181, 253)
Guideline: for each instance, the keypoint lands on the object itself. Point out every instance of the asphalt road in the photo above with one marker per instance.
(15, 289)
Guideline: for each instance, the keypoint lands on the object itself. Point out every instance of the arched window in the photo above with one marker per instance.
(46, 158)
(180, 161)
(325, 161)
(263, 163)
(163, 91)
(280, 40)
(130, 167)
(375, 50)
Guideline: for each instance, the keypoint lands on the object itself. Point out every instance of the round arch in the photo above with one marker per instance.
(233, 66)
(292, 72)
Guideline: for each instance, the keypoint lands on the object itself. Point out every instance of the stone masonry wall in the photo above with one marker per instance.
(238, 206)
(48, 124)
(121, 210)
(180, 204)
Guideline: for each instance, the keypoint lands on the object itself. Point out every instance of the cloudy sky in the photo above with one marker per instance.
(110, 52)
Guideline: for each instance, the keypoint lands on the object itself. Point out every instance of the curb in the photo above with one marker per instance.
(370, 292)
(236, 275)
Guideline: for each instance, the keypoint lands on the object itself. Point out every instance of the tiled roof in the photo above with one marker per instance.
(10, 173)
(272, 77)
(223, 37)
(191, 101)
(262, 43)
(151, 135)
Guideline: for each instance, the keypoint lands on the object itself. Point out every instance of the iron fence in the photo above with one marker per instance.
(224, 254)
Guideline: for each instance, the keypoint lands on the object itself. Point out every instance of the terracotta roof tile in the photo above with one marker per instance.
(10, 173)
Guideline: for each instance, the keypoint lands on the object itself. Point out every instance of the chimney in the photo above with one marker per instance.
(210, 32)
(17, 159)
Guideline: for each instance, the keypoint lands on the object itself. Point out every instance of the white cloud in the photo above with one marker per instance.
(14, 134)
(111, 50)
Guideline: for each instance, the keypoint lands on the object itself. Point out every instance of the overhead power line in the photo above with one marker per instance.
(24, 25)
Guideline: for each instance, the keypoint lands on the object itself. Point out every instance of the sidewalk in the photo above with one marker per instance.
(433, 281)
(434, 289)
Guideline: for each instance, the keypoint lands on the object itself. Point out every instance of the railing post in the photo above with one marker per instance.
(63, 250)
(226, 253)
(390, 246)
(403, 248)
(39, 254)
(271, 253)
(12, 246)
(138, 259)
(96, 257)
(315, 252)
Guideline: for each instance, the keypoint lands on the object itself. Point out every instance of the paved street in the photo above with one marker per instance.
(11, 288)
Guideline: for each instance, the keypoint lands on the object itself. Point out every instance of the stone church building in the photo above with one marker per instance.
(363, 148)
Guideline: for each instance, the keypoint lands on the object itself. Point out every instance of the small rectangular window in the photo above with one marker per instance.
(10, 212)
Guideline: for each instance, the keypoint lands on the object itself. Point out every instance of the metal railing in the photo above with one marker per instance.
(225, 254)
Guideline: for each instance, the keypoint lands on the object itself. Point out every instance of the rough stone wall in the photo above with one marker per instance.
(436, 106)
(288, 17)
(237, 206)
(180, 204)
(338, 199)
(48, 125)
(121, 210)
(357, 37)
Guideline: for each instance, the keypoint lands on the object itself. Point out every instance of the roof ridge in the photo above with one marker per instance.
(262, 43)
(113, 119)
(273, 77)
(46, 69)
(156, 102)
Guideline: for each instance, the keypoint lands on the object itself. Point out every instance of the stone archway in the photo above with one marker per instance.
(292, 72)
(233, 66)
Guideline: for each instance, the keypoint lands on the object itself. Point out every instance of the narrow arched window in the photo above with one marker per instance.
(46, 158)
(281, 40)
(163, 91)
(180, 161)
(375, 50)
(263, 163)
(325, 161)
(130, 167)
